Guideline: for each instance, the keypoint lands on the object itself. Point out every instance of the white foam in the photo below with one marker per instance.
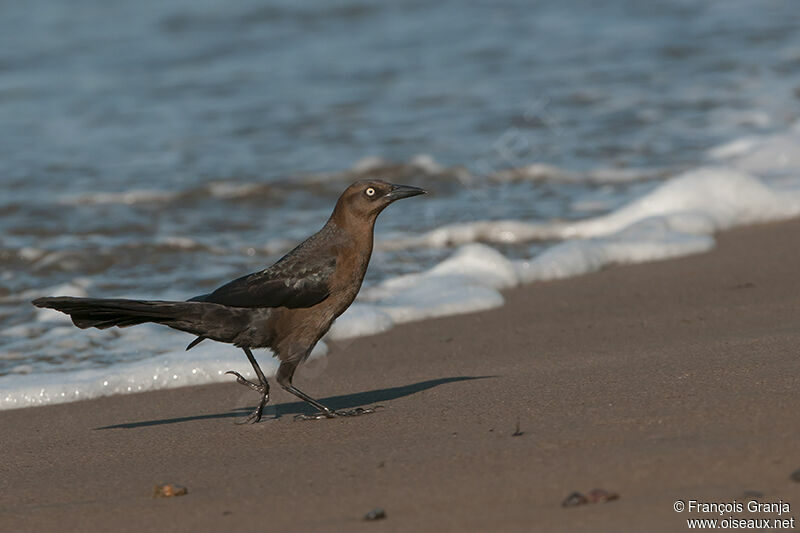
(734, 148)
(427, 163)
(467, 281)
(31, 254)
(179, 242)
(535, 172)
(498, 231)
(552, 173)
(764, 156)
(134, 196)
(206, 363)
(708, 199)
(729, 118)
(649, 240)
(359, 320)
(369, 163)
(424, 166)
(232, 191)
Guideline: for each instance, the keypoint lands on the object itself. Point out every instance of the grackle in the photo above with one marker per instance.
(287, 307)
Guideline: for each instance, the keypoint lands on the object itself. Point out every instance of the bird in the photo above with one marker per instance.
(286, 307)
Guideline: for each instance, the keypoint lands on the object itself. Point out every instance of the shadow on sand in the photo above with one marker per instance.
(347, 401)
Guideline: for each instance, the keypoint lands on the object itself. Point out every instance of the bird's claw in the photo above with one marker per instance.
(255, 416)
(252, 418)
(242, 381)
(262, 388)
(321, 415)
(358, 411)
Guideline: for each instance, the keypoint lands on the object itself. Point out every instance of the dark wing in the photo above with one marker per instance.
(295, 281)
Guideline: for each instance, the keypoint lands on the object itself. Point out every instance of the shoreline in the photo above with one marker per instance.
(658, 381)
(677, 218)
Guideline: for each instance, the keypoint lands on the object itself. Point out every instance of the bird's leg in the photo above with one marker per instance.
(284, 377)
(326, 412)
(262, 387)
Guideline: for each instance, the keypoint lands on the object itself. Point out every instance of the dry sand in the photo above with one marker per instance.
(664, 381)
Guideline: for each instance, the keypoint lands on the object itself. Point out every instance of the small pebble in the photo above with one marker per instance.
(376, 514)
(169, 490)
(595, 496)
(796, 475)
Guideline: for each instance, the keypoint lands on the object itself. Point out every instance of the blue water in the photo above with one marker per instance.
(157, 149)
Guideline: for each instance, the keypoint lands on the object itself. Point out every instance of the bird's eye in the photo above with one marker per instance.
(370, 192)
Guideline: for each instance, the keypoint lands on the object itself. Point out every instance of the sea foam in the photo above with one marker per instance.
(206, 363)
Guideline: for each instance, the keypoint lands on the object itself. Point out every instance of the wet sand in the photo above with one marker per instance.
(662, 381)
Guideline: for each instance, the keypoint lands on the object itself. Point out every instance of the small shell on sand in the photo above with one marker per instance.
(169, 490)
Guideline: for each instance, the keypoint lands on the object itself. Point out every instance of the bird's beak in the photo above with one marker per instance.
(403, 191)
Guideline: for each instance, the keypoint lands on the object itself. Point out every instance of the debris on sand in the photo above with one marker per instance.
(376, 514)
(169, 490)
(574, 499)
(602, 496)
(595, 496)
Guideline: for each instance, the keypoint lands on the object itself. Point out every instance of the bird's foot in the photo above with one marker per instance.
(358, 411)
(262, 388)
(252, 418)
(255, 416)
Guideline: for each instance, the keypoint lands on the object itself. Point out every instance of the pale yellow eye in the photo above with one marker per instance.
(370, 191)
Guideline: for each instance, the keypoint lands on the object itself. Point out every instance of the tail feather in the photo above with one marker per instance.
(106, 313)
(195, 342)
(204, 319)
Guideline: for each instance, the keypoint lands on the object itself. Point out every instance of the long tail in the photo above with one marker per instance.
(206, 320)
(105, 313)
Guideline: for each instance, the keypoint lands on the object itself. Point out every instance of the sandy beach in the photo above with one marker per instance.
(666, 381)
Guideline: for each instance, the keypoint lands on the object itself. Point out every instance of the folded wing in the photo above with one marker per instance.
(289, 283)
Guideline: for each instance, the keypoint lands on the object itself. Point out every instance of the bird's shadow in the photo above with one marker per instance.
(346, 401)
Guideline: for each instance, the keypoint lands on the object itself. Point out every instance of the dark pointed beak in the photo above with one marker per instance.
(404, 191)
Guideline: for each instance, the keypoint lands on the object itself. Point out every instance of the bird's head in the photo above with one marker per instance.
(365, 199)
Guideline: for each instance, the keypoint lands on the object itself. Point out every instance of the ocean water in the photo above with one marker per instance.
(158, 149)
